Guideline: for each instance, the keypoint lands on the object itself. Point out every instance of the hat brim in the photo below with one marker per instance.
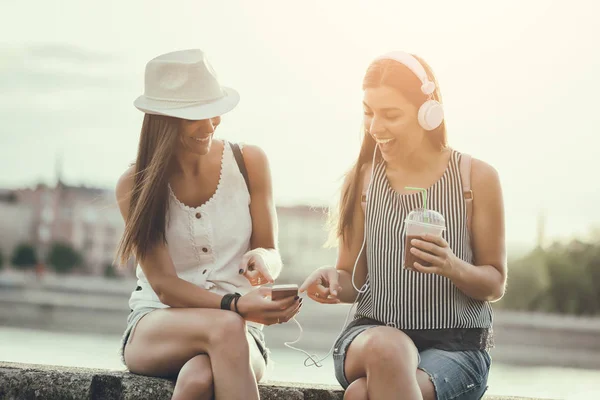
(193, 111)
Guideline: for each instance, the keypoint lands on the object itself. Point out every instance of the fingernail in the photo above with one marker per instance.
(241, 271)
(334, 292)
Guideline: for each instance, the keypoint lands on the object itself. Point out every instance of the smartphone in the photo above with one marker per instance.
(280, 292)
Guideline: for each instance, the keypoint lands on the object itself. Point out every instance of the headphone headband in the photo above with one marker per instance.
(431, 112)
(410, 62)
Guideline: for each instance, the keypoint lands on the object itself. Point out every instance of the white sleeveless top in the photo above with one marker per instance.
(207, 243)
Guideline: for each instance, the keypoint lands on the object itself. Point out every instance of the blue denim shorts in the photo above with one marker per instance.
(456, 375)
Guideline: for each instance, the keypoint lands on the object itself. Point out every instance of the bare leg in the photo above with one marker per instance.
(388, 359)
(166, 339)
(427, 388)
(195, 380)
(357, 390)
(256, 358)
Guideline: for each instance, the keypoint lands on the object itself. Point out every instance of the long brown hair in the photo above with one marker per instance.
(146, 222)
(381, 73)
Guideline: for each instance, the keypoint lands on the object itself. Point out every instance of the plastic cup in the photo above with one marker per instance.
(418, 223)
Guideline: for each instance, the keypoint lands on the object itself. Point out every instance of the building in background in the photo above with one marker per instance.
(302, 238)
(89, 220)
(16, 223)
(85, 218)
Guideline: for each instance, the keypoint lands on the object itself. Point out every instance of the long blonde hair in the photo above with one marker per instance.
(395, 75)
(146, 222)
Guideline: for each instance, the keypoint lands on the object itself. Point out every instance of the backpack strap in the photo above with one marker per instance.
(465, 177)
(239, 159)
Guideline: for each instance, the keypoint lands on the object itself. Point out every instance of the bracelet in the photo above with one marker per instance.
(237, 297)
(226, 301)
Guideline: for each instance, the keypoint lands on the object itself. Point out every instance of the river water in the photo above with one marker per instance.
(101, 351)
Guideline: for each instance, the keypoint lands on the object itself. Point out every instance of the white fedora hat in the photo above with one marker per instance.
(183, 84)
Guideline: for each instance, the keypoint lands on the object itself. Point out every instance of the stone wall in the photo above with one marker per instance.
(22, 381)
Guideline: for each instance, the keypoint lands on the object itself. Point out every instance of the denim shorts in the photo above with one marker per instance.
(136, 315)
(456, 375)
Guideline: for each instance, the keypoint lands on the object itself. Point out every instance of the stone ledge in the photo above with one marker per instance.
(30, 381)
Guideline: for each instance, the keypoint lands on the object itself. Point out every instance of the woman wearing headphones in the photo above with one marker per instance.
(420, 332)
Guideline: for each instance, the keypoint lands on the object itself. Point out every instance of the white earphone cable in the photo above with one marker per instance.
(310, 359)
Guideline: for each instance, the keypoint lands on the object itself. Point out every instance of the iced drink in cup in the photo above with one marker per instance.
(418, 223)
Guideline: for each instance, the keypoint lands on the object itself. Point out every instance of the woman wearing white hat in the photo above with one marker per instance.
(203, 228)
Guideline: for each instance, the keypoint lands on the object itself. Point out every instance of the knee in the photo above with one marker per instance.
(197, 385)
(388, 346)
(357, 390)
(196, 380)
(228, 328)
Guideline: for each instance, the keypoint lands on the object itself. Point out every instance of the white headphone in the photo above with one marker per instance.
(431, 113)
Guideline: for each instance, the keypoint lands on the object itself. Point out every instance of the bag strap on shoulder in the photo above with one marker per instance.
(465, 177)
(239, 159)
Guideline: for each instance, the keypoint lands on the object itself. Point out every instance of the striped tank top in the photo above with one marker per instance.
(411, 300)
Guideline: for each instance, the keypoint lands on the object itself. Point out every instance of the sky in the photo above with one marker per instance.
(518, 78)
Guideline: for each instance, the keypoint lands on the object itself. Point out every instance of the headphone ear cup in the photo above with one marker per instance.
(431, 115)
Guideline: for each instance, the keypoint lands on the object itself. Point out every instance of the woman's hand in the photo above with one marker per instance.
(254, 268)
(436, 251)
(257, 306)
(323, 285)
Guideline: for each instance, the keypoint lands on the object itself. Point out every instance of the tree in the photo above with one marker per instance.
(110, 271)
(24, 257)
(563, 278)
(527, 284)
(64, 258)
